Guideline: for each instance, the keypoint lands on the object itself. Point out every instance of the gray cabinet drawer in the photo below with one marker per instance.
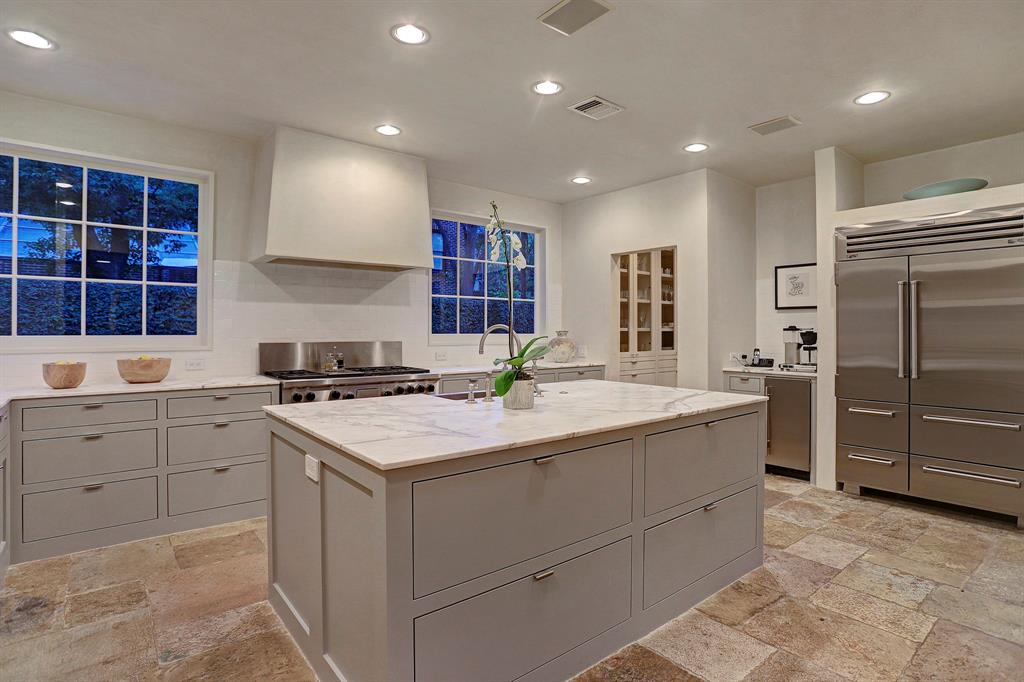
(972, 485)
(872, 425)
(686, 463)
(579, 374)
(872, 468)
(75, 510)
(746, 384)
(220, 440)
(87, 414)
(460, 384)
(52, 459)
(470, 524)
(506, 632)
(545, 377)
(218, 487)
(221, 403)
(687, 548)
(993, 438)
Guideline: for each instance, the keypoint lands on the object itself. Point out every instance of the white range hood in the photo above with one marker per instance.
(320, 199)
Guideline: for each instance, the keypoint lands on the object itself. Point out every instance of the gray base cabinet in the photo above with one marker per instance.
(527, 564)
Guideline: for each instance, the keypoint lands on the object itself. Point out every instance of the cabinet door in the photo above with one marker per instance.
(970, 329)
(789, 423)
(869, 316)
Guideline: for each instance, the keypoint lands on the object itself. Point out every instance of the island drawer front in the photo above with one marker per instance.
(460, 384)
(872, 425)
(218, 487)
(872, 468)
(746, 384)
(218, 403)
(971, 485)
(53, 459)
(470, 524)
(627, 366)
(992, 438)
(220, 440)
(506, 632)
(578, 374)
(87, 414)
(724, 451)
(545, 377)
(90, 507)
(687, 548)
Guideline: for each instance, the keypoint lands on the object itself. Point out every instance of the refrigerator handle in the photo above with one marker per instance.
(901, 346)
(914, 360)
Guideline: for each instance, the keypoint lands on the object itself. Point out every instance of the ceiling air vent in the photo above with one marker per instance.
(775, 125)
(569, 16)
(596, 108)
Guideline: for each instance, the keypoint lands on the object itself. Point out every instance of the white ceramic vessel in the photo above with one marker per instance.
(563, 348)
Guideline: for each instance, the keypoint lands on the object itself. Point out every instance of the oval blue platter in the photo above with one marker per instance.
(938, 189)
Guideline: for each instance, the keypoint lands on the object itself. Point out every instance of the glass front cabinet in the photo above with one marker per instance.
(647, 316)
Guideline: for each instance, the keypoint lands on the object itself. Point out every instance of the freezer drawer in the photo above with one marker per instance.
(789, 423)
(872, 468)
(972, 485)
(872, 425)
(992, 438)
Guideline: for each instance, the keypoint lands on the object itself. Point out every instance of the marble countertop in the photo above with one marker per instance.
(390, 433)
(771, 372)
(483, 368)
(91, 389)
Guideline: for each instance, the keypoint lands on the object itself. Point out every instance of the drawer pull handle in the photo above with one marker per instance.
(545, 574)
(711, 507)
(974, 477)
(710, 424)
(218, 425)
(871, 460)
(221, 397)
(94, 406)
(92, 436)
(581, 372)
(544, 460)
(868, 410)
(221, 469)
(94, 486)
(971, 422)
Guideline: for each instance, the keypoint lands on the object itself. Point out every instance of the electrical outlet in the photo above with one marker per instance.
(581, 351)
(313, 468)
(735, 357)
(440, 356)
(195, 364)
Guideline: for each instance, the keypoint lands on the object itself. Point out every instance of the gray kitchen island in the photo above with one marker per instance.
(418, 538)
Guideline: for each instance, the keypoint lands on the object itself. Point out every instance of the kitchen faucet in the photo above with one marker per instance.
(518, 346)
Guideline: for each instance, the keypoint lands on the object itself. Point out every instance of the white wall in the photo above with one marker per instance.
(785, 236)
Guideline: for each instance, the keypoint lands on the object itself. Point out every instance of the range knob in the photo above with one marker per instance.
(399, 390)
(296, 397)
(334, 395)
(309, 397)
(420, 388)
(410, 389)
(389, 392)
(349, 396)
(430, 388)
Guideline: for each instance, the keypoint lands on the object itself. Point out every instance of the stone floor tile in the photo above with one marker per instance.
(953, 652)
(846, 502)
(879, 613)
(86, 607)
(774, 497)
(857, 536)
(267, 657)
(779, 533)
(826, 550)
(196, 636)
(636, 663)
(977, 611)
(885, 583)
(960, 552)
(854, 518)
(212, 550)
(1001, 574)
(120, 563)
(893, 523)
(738, 602)
(707, 648)
(46, 577)
(23, 616)
(189, 594)
(258, 523)
(785, 484)
(783, 666)
(790, 574)
(807, 513)
(840, 644)
(922, 569)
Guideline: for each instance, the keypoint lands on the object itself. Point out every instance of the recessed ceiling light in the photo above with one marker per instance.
(32, 39)
(547, 88)
(410, 34)
(63, 185)
(873, 97)
(695, 147)
(388, 129)
(581, 180)
(67, 203)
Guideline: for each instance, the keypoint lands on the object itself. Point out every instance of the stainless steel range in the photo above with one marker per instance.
(342, 370)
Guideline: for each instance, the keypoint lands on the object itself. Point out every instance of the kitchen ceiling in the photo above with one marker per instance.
(684, 71)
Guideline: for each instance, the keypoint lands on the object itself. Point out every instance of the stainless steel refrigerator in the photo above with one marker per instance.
(930, 358)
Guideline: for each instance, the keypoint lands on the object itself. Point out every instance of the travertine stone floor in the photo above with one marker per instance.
(852, 589)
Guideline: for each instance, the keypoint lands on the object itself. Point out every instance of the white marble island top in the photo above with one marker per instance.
(396, 432)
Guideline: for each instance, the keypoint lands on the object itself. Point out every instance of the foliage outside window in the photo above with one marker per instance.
(468, 293)
(91, 251)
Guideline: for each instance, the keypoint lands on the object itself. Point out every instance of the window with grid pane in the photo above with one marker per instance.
(468, 293)
(90, 251)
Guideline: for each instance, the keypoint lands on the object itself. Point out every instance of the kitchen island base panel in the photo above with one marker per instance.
(342, 563)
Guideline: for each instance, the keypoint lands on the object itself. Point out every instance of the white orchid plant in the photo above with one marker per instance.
(506, 246)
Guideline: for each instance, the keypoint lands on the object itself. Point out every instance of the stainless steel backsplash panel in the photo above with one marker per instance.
(307, 354)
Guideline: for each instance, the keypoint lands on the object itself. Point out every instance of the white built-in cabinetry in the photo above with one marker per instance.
(646, 319)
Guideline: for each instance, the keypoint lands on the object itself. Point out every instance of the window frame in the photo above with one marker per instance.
(539, 282)
(201, 340)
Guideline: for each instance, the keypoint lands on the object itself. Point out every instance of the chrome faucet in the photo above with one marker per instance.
(496, 327)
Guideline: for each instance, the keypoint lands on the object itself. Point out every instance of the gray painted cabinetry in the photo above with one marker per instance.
(525, 564)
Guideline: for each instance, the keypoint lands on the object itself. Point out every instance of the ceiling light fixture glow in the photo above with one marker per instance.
(388, 129)
(410, 34)
(696, 147)
(31, 39)
(873, 97)
(581, 180)
(547, 87)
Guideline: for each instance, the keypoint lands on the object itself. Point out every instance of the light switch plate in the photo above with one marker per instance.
(581, 351)
(194, 364)
(313, 468)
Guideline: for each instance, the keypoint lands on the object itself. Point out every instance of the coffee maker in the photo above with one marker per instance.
(798, 342)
